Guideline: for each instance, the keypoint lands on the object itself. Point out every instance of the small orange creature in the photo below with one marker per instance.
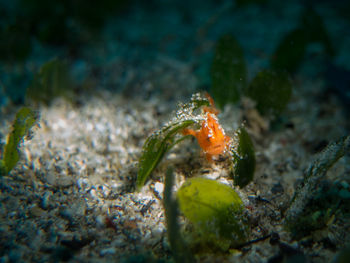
(211, 137)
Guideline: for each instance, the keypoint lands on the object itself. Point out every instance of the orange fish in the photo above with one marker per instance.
(211, 137)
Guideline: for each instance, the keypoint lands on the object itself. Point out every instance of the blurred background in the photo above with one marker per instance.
(143, 48)
(280, 68)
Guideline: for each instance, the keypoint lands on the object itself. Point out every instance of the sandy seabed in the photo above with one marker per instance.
(71, 197)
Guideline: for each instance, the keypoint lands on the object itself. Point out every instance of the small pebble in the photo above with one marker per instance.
(101, 221)
(45, 200)
(36, 211)
(108, 251)
(119, 241)
(159, 188)
(64, 181)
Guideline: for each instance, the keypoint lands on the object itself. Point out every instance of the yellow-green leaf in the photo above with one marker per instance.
(25, 119)
(216, 211)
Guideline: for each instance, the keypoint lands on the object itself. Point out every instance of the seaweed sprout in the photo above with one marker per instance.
(214, 209)
(25, 120)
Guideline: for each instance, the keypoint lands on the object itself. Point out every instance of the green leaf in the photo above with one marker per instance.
(53, 80)
(243, 159)
(155, 147)
(228, 71)
(271, 90)
(164, 139)
(216, 211)
(25, 119)
(290, 52)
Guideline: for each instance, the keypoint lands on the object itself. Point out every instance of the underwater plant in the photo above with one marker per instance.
(181, 252)
(228, 71)
(290, 52)
(216, 212)
(271, 89)
(243, 159)
(24, 121)
(318, 199)
(214, 209)
(167, 137)
(199, 112)
(53, 80)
